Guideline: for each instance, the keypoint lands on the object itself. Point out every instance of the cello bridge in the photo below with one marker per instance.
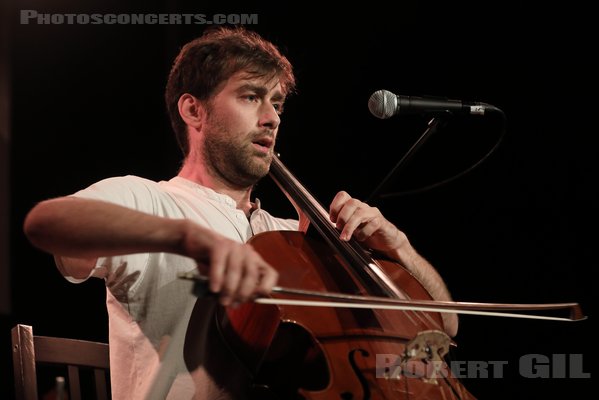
(428, 348)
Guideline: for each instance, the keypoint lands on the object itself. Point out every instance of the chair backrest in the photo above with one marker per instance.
(74, 355)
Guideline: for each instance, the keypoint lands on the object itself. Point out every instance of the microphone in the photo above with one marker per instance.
(384, 104)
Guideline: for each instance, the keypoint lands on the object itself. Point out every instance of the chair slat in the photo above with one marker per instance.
(71, 351)
(74, 387)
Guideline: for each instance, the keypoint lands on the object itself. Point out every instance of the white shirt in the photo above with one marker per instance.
(145, 297)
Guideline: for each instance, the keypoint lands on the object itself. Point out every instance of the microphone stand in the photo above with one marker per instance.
(433, 126)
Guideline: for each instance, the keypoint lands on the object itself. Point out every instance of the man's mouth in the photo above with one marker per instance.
(263, 144)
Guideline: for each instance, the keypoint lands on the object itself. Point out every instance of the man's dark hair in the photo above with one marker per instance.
(206, 62)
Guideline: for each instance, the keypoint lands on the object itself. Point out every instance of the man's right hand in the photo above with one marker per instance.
(236, 271)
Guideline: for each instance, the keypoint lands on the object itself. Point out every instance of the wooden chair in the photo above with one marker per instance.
(74, 355)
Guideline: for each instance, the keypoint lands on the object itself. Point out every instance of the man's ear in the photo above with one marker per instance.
(191, 110)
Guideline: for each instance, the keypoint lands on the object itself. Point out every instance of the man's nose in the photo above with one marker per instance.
(269, 117)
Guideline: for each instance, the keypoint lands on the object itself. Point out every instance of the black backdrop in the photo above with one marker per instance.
(87, 104)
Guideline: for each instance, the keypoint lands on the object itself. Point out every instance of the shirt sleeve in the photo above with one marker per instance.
(128, 191)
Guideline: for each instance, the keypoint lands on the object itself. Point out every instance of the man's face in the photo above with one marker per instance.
(241, 129)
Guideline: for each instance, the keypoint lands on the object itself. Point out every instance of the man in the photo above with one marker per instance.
(225, 94)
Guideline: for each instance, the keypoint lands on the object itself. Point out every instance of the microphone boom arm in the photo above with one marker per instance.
(433, 126)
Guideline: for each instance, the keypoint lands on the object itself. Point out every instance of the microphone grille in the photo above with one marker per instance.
(382, 104)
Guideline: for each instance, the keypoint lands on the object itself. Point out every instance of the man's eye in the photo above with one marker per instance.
(251, 97)
(278, 107)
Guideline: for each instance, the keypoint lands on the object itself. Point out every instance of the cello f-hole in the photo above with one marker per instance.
(358, 372)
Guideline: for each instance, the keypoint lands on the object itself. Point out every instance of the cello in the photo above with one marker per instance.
(284, 350)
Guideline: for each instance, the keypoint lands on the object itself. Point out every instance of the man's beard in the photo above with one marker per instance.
(234, 158)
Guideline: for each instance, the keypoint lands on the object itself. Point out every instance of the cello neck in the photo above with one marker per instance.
(360, 264)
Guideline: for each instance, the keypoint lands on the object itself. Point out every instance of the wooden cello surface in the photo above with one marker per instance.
(337, 353)
(299, 352)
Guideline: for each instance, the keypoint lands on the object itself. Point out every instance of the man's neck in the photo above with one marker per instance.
(201, 177)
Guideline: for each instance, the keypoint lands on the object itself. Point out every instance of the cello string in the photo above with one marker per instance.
(358, 261)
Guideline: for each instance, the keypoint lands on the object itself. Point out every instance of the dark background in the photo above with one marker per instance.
(87, 104)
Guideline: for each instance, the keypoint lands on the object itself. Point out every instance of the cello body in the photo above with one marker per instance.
(332, 353)
(284, 352)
